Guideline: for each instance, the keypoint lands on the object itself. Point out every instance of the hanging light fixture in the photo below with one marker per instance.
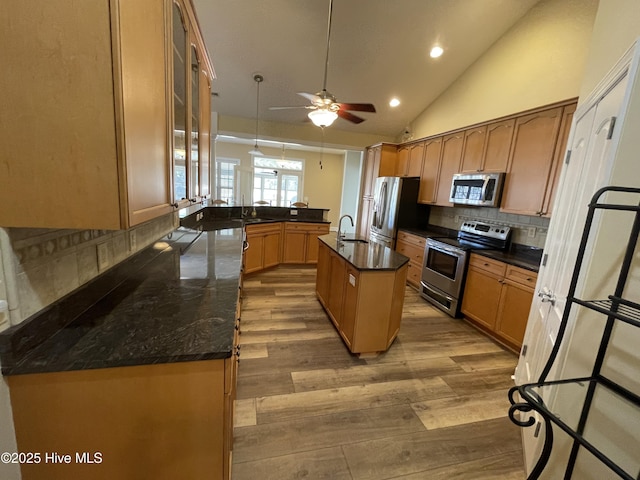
(322, 117)
(258, 79)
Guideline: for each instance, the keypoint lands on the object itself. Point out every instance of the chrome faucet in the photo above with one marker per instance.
(340, 233)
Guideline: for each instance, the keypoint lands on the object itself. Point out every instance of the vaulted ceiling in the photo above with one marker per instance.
(379, 50)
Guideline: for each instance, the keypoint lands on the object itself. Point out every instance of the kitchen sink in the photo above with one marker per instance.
(353, 240)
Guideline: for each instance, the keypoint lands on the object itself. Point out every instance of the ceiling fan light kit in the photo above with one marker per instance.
(258, 79)
(322, 117)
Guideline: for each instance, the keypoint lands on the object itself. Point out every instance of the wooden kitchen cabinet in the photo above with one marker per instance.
(301, 242)
(486, 148)
(497, 297)
(380, 161)
(100, 115)
(162, 421)
(432, 150)
(412, 246)
(536, 151)
(264, 246)
(410, 160)
(449, 164)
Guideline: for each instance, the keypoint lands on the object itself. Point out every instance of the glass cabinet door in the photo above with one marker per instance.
(180, 55)
(194, 181)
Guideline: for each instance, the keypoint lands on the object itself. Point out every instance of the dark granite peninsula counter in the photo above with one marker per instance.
(361, 285)
(175, 301)
(138, 365)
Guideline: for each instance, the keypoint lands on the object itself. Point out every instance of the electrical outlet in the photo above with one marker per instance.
(531, 232)
(103, 256)
(457, 218)
(132, 241)
(294, 212)
(4, 312)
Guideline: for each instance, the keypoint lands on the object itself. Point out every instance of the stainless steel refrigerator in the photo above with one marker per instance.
(395, 205)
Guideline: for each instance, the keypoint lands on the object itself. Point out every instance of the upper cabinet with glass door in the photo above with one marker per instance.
(191, 109)
(99, 126)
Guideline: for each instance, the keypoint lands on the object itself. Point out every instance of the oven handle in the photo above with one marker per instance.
(451, 299)
(453, 250)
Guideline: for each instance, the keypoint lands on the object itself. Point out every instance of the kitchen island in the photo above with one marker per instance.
(361, 286)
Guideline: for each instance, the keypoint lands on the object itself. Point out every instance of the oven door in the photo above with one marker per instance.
(444, 267)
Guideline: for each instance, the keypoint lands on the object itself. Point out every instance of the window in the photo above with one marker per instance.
(226, 179)
(277, 180)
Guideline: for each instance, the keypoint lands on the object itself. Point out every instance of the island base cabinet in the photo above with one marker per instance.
(364, 305)
(159, 422)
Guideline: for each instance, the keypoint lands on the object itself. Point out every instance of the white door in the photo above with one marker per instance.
(592, 143)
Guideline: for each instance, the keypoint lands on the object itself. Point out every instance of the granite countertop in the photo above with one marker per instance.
(519, 255)
(365, 255)
(174, 301)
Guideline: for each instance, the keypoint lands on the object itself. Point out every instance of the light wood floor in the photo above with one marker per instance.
(434, 406)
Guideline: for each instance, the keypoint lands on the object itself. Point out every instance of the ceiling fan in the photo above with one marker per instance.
(324, 106)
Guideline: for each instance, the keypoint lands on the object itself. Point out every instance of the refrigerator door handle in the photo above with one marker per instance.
(383, 204)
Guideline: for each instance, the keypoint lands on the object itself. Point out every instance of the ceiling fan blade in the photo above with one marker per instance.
(350, 116)
(358, 107)
(311, 97)
(296, 106)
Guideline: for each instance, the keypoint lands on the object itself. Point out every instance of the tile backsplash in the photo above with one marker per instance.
(47, 264)
(526, 230)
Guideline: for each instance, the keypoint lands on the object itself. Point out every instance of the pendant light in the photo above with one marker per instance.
(258, 79)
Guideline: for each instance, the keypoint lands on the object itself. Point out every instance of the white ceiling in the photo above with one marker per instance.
(379, 49)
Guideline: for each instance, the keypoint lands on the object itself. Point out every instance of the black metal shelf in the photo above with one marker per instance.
(573, 417)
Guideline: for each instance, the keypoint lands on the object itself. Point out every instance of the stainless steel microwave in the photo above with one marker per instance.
(482, 189)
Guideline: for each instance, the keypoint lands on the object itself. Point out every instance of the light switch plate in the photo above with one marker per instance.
(531, 233)
(352, 280)
(293, 212)
(132, 241)
(103, 256)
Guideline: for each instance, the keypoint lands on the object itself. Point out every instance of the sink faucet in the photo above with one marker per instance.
(340, 233)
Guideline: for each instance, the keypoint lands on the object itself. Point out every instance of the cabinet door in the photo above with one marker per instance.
(323, 272)
(472, 151)
(349, 312)
(416, 152)
(430, 170)
(311, 249)
(481, 298)
(558, 158)
(205, 133)
(144, 100)
(531, 158)
(496, 146)
(271, 254)
(336, 287)
(386, 161)
(294, 246)
(364, 220)
(515, 304)
(253, 254)
(403, 162)
(180, 112)
(368, 174)
(449, 164)
(193, 169)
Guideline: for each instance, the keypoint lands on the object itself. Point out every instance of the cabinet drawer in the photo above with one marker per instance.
(306, 227)
(415, 253)
(264, 228)
(521, 275)
(488, 264)
(416, 240)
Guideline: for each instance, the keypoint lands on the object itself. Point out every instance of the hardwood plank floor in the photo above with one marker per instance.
(432, 407)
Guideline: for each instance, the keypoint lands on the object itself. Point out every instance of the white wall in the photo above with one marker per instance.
(351, 188)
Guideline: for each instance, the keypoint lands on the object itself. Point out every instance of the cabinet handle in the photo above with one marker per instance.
(174, 205)
(486, 264)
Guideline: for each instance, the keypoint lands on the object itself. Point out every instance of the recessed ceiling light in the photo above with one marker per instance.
(394, 102)
(436, 52)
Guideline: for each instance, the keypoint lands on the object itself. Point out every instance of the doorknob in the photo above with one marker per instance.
(547, 296)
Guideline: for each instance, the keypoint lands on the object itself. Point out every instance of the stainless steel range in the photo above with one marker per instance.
(446, 259)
